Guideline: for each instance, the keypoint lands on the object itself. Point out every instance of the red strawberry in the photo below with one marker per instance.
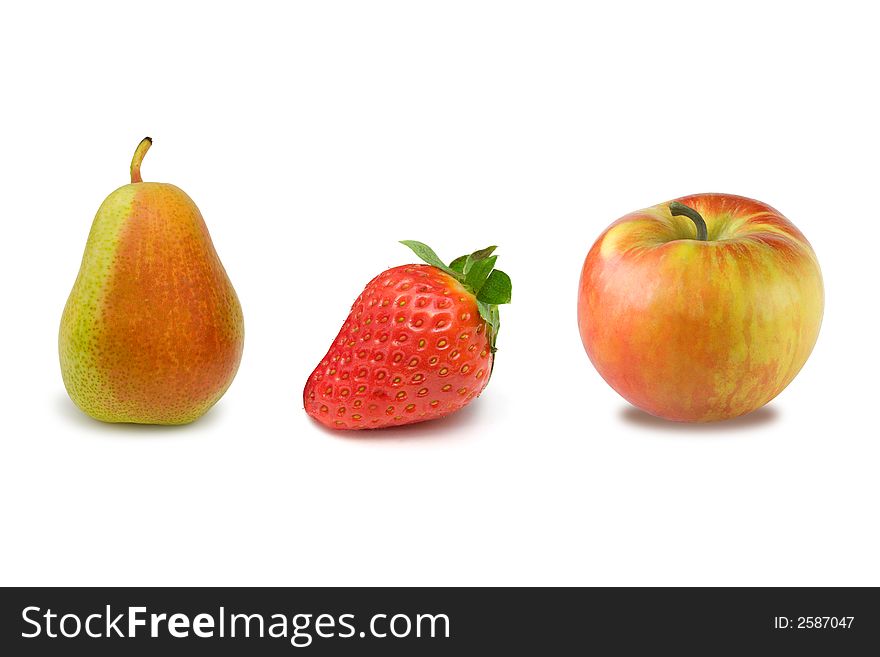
(418, 344)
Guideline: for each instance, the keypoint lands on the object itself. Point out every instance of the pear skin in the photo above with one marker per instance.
(152, 332)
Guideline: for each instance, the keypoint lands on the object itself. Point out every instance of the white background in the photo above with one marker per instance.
(313, 136)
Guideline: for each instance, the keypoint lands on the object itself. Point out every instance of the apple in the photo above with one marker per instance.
(701, 309)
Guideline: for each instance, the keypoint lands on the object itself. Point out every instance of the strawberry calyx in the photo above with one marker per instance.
(477, 274)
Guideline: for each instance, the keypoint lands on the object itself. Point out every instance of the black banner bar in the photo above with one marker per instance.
(437, 621)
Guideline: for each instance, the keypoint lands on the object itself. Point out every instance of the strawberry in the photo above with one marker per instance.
(418, 344)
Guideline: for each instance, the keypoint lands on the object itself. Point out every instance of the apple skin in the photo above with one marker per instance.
(698, 331)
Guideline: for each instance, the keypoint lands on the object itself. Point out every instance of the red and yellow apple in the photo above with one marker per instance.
(700, 309)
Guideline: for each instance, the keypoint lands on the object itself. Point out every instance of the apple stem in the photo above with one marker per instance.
(677, 209)
(139, 153)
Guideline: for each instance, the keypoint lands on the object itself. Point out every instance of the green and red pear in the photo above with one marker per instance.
(152, 332)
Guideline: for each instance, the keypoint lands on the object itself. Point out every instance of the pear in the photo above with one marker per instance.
(152, 332)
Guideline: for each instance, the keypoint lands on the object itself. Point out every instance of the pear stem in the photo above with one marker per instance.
(677, 209)
(139, 153)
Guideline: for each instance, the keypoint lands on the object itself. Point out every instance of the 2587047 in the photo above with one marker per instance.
(822, 622)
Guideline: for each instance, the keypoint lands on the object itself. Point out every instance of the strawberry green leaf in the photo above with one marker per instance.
(479, 272)
(497, 288)
(427, 254)
(485, 312)
(458, 264)
(477, 256)
(496, 326)
(482, 254)
(490, 315)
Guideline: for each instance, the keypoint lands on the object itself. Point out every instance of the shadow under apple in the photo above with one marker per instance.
(762, 416)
